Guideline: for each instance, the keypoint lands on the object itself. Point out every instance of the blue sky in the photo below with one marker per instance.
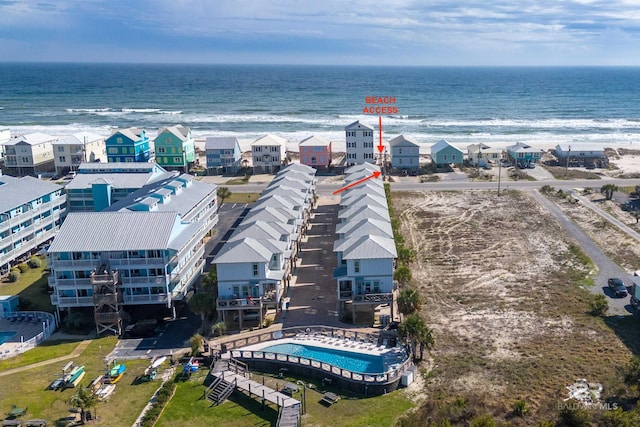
(355, 32)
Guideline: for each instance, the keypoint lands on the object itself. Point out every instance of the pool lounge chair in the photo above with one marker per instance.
(329, 398)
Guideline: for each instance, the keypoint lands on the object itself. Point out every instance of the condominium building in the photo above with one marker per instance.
(147, 249)
(31, 211)
(97, 186)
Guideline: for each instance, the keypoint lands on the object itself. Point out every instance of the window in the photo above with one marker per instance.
(113, 150)
(61, 148)
(161, 150)
(453, 157)
(258, 149)
(177, 160)
(119, 140)
(351, 133)
(255, 269)
(25, 160)
(304, 159)
(444, 157)
(62, 159)
(274, 149)
(356, 266)
(399, 161)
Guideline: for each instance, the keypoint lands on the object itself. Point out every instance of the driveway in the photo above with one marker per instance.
(606, 267)
(313, 298)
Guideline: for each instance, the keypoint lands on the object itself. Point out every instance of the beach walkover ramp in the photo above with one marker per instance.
(235, 377)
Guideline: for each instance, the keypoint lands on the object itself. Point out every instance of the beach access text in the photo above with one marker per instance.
(380, 105)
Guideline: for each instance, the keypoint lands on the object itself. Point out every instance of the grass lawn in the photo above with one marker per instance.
(242, 198)
(45, 351)
(31, 288)
(188, 408)
(29, 389)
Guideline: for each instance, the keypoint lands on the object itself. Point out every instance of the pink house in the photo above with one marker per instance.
(315, 151)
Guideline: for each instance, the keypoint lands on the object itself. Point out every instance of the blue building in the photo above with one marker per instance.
(405, 154)
(99, 185)
(443, 153)
(128, 145)
(31, 211)
(223, 154)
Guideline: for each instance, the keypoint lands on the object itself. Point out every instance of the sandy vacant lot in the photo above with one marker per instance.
(501, 287)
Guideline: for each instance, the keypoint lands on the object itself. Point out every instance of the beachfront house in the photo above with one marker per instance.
(175, 148)
(70, 151)
(223, 154)
(481, 155)
(5, 136)
(97, 186)
(444, 154)
(31, 212)
(523, 155)
(405, 154)
(359, 140)
(128, 145)
(583, 154)
(315, 152)
(30, 154)
(268, 153)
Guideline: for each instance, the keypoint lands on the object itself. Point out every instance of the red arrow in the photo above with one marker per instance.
(380, 147)
(360, 181)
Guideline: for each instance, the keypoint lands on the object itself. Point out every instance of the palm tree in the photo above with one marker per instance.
(196, 342)
(403, 274)
(220, 328)
(223, 193)
(83, 398)
(426, 341)
(210, 282)
(406, 255)
(607, 190)
(413, 328)
(409, 301)
(203, 304)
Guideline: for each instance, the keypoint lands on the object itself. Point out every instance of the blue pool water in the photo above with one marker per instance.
(6, 336)
(354, 362)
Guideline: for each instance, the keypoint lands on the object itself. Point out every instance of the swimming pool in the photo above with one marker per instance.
(6, 336)
(354, 362)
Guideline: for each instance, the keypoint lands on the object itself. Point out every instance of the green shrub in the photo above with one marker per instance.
(34, 262)
(268, 322)
(599, 305)
(23, 267)
(14, 275)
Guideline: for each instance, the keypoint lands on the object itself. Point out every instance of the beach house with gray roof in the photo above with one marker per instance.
(443, 153)
(523, 154)
(405, 154)
(72, 150)
(223, 154)
(268, 153)
(31, 212)
(359, 143)
(30, 154)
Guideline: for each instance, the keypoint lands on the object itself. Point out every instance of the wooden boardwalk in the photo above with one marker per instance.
(257, 389)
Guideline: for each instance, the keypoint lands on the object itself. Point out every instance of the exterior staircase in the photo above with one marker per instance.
(219, 390)
(289, 416)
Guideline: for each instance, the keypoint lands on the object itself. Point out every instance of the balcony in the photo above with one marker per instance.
(237, 303)
(373, 298)
(107, 317)
(88, 264)
(107, 299)
(146, 299)
(346, 295)
(73, 301)
(137, 261)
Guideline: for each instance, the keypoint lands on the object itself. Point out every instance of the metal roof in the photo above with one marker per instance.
(358, 125)
(221, 143)
(369, 247)
(79, 138)
(270, 140)
(242, 251)
(35, 138)
(16, 192)
(401, 141)
(314, 141)
(370, 225)
(115, 231)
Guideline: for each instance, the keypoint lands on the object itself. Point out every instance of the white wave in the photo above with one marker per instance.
(87, 110)
(170, 112)
(140, 110)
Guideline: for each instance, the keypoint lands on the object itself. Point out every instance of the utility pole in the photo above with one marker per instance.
(566, 168)
(499, 173)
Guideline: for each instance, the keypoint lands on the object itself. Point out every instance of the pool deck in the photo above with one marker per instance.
(392, 355)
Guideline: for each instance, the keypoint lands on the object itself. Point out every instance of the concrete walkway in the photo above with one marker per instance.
(75, 353)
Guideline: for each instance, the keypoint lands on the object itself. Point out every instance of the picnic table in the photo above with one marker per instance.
(330, 398)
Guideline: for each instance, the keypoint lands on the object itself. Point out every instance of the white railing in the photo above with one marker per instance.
(47, 320)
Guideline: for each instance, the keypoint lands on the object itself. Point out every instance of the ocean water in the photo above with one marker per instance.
(463, 105)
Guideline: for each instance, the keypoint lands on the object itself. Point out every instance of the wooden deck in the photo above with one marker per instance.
(258, 389)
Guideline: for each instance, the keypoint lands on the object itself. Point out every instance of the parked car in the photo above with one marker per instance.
(617, 286)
